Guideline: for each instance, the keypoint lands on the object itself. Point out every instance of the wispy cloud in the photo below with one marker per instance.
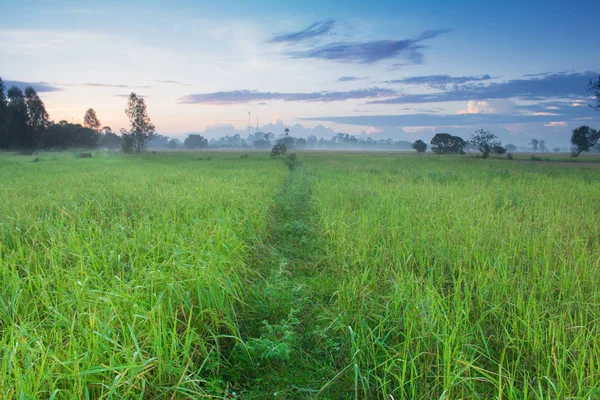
(37, 86)
(371, 52)
(439, 81)
(171, 82)
(350, 78)
(435, 119)
(547, 86)
(110, 85)
(247, 96)
(317, 29)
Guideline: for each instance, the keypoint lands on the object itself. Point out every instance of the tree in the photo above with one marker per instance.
(484, 141)
(173, 143)
(142, 129)
(17, 119)
(444, 143)
(511, 147)
(278, 150)
(286, 131)
(534, 143)
(90, 120)
(583, 139)
(556, 149)
(498, 149)
(109, 139)
(3, 111)
(594, 87)
(195, 141)
(38, 118)
(288, 142)
(543, 147)
(420, 146)
(63, 136)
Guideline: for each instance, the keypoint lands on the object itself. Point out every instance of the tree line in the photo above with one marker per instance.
(25, 126)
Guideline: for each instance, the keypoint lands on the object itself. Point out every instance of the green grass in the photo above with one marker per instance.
(366, 276)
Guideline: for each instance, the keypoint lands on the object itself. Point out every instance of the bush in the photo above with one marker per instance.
(278, 150)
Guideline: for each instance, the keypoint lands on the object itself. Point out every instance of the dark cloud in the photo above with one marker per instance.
(247, 96)
(371, 52)
(439, 81)
(317, 29)
(350, 79)
(37, 86)
(546, 86)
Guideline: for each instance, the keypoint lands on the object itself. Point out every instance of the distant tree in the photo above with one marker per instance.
(288, 142)
(583, 139)
(311, 141)
(420, 146)
(511, 147)
(300, 143)
(64, 136)
(534, 143)
(594, 87)
(286, 131)
(444, 143)
(142, 129)
(556, 149)
(109, 139)
(3, 112)
(127, 142)
(195, 141)
(261, 144)
(484, 141)
(17, 119)
(90, 120)
(498, 149)
(543, 147)
(38, 118)
(173, 144)
(278, 150)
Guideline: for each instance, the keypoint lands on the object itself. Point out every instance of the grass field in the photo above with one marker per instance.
(346, 275)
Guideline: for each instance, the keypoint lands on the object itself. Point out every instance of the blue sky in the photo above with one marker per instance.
(385, 68)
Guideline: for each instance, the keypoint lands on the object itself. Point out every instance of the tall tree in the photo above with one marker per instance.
(142, 129)
(90, 120)
(534, 143)
(3, 106)
(17, 120)
(38, 118)
(594, 87)
(543, 147)
(420, 146)
(583, 139)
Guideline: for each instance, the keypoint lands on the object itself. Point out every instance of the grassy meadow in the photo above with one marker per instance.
(336, 276)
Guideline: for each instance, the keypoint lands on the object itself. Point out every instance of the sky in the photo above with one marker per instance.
(389, 69)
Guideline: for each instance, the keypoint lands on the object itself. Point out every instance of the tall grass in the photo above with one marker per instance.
(119, 275)
(463, 278)
(347, 276)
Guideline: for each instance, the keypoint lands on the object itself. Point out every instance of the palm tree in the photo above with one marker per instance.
(286, 131)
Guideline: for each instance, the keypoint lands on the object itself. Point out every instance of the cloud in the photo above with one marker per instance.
(247, 96)
(477, 120)
(370, 52)
(317, 29)
(547, 86)
(350, 79)
(556, 124)
(171, 82)
(37, 86)
(439, 81)
(496, 106)
(109, 85)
